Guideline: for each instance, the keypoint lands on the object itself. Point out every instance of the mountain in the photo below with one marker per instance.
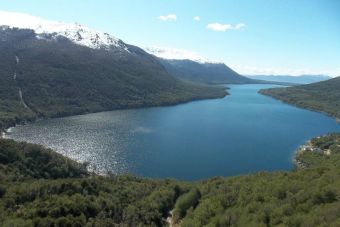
(211, 73)
(55, 69)
(321, 96)
(75, 32)
(302, 79)
(189, 66)
(39, 187)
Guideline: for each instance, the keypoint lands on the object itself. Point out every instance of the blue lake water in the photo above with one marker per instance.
(241, 133)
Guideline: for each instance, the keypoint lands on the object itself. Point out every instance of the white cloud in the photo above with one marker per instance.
(169, 17)
(239, 26)
(196, 18)
(218, 27)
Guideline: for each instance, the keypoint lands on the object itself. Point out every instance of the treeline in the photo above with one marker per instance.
(41, 188)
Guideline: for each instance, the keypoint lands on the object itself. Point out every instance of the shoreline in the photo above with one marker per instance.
(296, 162)
(299, 164)
(332, 115)
(3, 131)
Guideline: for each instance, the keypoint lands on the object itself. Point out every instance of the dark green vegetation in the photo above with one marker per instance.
(59, 78)
(322, 96)
(211, 73)
(41, 188)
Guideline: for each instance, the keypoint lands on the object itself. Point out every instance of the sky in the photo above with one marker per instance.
(251, 36)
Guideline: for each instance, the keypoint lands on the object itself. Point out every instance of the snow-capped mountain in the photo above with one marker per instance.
(42, 76)
(75, 32)
(177, 54)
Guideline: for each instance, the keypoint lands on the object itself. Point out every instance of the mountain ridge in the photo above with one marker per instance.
(207, 72)
(190, 66)
(58, 77)
(46, 29)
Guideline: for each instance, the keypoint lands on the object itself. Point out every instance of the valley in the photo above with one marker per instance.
(97, 132)
(235, 135)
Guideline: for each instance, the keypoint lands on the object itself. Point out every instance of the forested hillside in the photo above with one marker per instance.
(56, 77)
(322, 96)
(41, 188)
(211, 73)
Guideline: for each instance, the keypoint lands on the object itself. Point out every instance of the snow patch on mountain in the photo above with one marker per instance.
(77, 33)
(178, 54)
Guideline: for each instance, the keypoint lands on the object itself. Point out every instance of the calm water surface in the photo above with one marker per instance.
(241, 133)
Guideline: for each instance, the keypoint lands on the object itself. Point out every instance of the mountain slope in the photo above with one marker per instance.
(189, 66)
(211, 73)
(322, 96)
(49, 75)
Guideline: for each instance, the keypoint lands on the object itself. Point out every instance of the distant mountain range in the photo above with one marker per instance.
(322, 96)
(302, 79)
(189, 66)
(50, 69)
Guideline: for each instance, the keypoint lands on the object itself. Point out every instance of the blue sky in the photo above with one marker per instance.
(251, 36)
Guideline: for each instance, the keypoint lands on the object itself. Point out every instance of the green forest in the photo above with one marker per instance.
(322, 96)
(42, 188)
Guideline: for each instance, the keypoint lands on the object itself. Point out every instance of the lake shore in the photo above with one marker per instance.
(113, 141)
(271, 92)
(3, 130)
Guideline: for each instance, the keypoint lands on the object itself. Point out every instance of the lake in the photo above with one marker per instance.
(239, 134)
